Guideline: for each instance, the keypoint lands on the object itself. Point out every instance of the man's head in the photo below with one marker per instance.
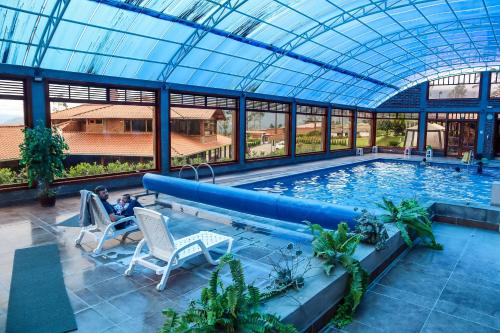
(102, 192)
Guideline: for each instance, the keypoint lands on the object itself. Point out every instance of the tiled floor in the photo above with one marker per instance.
(456, 290)
(103, 299)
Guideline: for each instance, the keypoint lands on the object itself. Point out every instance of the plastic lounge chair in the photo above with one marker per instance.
(163, 246)
(103, 228)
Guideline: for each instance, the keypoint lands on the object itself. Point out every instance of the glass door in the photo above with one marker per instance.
(497, 136)
(468, 137)
(461, 137)
(453, 139)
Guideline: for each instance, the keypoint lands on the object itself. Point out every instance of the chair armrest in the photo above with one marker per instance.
(198, 242)
(126, 219)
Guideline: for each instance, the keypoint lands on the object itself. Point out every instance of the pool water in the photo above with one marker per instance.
(364, 185)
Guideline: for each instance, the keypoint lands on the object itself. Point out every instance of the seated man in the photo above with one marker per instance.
(102, 193)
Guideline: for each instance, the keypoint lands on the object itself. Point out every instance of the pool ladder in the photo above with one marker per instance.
(196, 169)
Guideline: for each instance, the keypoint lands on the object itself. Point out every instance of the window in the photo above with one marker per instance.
(310, 129)
(495, 85)
(397, 130)
(203, 129)
(108, 130)
(364, 130)
(437, 129)
(12, 122)
(341, 129)
(455, 87)
(267, 129)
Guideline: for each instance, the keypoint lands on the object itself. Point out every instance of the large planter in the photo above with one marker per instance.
(47, 201)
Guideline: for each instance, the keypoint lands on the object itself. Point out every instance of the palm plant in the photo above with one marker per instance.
(337, 248)
(410, 216)
(233, 308)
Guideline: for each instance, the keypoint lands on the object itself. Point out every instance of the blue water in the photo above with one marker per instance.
(364, 185)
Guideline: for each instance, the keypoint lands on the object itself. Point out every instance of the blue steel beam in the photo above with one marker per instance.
(420, 31)
(319, 29)
(48, 32)
(385, 40)
(248, 41)
(211, 22)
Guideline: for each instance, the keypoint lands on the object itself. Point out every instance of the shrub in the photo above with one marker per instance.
(232, 308)
(85, 169)
(336, 248)
(8, 176)
(410, 215)
(372, 231)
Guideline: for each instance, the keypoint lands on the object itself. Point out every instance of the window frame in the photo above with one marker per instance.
(396, 117)
(289, 132)
(236, 115)
(324, 124)
(157, 118)
(446, 120)
(352, 132)
(490, 83)
(373, 129)
(430, 83)
(27, 113)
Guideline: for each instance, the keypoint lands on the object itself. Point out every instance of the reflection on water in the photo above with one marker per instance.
(364, 185)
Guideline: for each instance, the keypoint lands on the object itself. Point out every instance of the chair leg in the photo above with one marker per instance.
(209, 258)
(78, 240)
(98, 249)
(137, 253)
(163, 282)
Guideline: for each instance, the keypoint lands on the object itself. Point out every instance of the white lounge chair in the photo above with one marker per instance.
(163, 246)
(103, 228)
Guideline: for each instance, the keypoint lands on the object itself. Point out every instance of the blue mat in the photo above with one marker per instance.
(73, 221)
(38, 301)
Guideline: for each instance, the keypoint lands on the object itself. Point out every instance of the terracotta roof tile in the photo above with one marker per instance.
(111, 144)
(99, 111)
(194, 113)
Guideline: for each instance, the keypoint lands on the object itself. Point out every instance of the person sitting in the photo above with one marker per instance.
(103, 194)
(129, 204)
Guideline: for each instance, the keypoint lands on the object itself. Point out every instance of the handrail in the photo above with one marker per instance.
(192, 167)
(211, 169)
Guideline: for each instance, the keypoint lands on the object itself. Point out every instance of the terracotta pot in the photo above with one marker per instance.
(47, 201)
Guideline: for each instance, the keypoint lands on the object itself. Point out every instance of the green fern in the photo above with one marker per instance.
(232, 308)
(410, 215)
(336, 248)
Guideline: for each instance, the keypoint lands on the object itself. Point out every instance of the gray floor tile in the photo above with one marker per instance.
(479, 298)
(91, 321)
(392, 315)
(443, 323)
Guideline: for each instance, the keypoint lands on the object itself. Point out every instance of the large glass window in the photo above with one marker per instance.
(12, 123)
(455, 87)
(203, 129)
(364, 130)
(442, 130)
(107, 130)
(267, 129)
(310, 129)
(495, 85)
(341, 129)
(397, 130)
(435, 133)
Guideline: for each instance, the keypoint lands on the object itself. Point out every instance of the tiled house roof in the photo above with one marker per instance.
(97, 111)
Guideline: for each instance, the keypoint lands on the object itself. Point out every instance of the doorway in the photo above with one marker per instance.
(497, 136)
(461, 137)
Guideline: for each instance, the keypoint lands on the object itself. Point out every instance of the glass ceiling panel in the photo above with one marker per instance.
(354, 52)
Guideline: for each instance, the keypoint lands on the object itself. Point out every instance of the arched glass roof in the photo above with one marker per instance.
(341, 51)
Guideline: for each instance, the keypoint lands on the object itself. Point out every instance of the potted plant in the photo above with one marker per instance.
(42, 153)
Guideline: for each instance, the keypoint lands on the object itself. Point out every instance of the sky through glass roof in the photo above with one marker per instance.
(348, 52)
